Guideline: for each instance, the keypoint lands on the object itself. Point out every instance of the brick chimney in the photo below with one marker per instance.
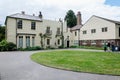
(40, 15)
(79, 21)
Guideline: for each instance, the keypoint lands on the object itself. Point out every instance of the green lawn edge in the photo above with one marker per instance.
(109, 61)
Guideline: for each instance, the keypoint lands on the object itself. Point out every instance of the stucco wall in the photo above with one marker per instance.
(27, 31)
(98, 24)
(11, 30)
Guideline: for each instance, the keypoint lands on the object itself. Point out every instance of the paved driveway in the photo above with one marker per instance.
(18, 66)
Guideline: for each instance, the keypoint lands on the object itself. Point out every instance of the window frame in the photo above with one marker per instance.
(85, 32)
(33, 25)
(19, 24)
(93, 31)
(27, 41)
(33, 41)
(20, 45)
(58, 30)
(75, 33)
(104, 29)
(48, 30)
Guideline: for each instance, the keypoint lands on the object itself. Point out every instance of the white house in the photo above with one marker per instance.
(29, 30)
(98, 30)
(72, 35)
(75, 36)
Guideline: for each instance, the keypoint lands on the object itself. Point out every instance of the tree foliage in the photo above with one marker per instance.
(2, 33)
(71, 19)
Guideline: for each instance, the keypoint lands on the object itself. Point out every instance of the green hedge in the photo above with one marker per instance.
(91, 47)
(87, 47)
(30, 48)
(7, 46)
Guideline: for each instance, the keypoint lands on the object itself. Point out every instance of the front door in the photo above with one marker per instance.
(67, 44)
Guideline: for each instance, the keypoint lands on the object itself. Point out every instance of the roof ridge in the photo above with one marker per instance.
(111, 20)
(13, 14)
(25, 16)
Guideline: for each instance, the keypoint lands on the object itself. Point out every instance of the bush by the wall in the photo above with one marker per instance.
(50, 47)
(11, 46)
(30, 48)
(60, 47)
(7, 46)
(3, 45)
(37, 48)
(73, 46)
(91, 47)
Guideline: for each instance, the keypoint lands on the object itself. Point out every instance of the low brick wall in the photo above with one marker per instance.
(99, 43)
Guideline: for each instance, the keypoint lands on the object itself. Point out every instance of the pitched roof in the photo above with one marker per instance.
(117, 22)
(77, 27)
(25, 16)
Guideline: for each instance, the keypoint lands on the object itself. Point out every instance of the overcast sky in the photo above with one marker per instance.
(55, 9)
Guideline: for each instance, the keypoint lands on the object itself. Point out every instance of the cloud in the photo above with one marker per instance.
(55, 9)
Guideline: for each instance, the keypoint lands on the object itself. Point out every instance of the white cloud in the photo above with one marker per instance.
(54, 9)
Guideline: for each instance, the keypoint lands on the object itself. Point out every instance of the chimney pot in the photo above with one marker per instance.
(33, 14)
(23, 12)
(79, 12)
(40, 14)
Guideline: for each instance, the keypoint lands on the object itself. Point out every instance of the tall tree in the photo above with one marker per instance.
(2, 33)
(71, 19)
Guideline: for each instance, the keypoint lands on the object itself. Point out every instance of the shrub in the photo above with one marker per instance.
(11, 46)
(30, 48)
(50, 47)
(91, 47)
(3, 45)
(7, 46)
(37, 48)
(60, 47)
(20, 49)
(73, 46)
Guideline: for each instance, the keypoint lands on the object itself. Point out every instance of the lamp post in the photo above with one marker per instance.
(62, 32)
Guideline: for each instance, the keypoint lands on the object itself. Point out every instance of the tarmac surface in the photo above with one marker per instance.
(17, 65)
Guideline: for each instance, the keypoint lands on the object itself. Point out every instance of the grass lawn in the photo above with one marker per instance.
(83, 61)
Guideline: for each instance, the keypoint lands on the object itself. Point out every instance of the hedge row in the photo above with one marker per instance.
(30, 48)
(7, 46)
